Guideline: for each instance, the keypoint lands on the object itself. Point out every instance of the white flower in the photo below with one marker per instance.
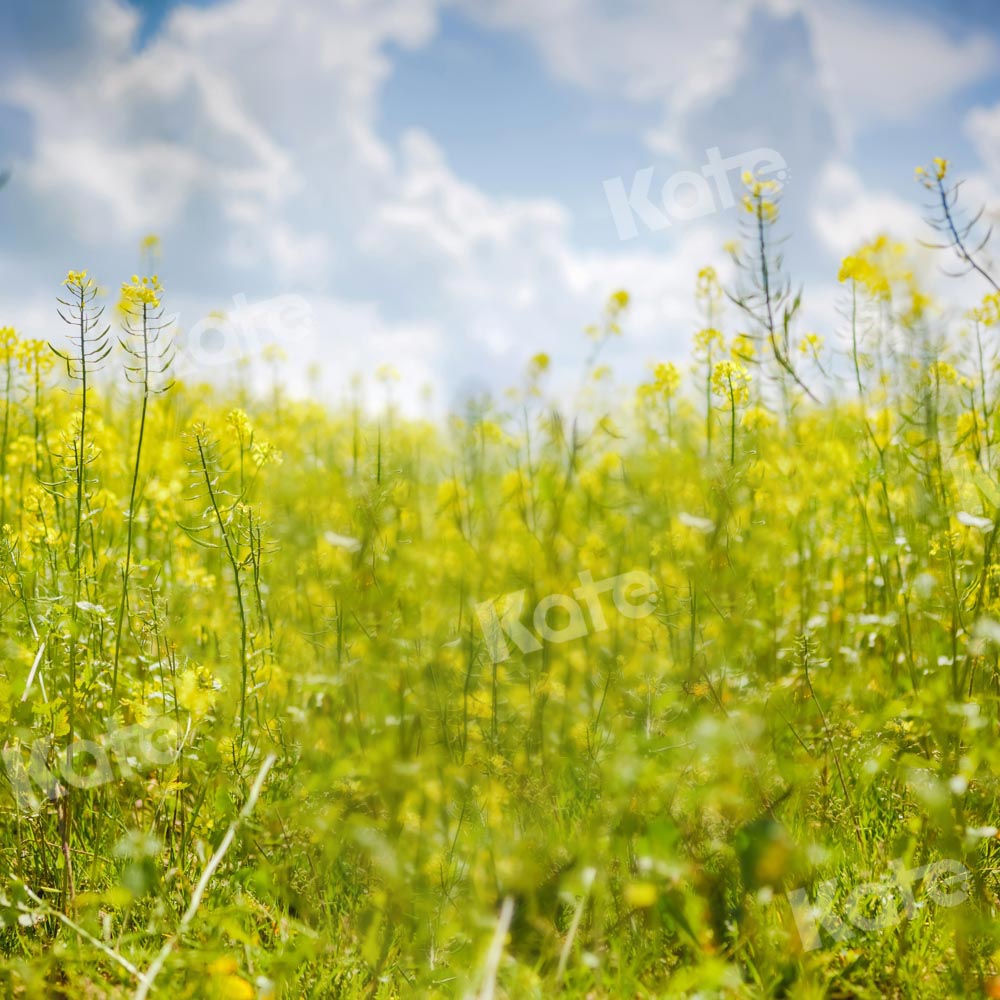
(972, 521)
(342, 541)
(702, 524)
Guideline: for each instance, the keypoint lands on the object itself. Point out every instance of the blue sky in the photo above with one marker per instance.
(422, 182)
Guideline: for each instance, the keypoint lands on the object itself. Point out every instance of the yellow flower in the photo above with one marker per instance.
(989, 312)
(196, 691)
(732, 380)
(511, 485)
(932, 176)
(617, 303)
(811, 343)
(757, 200)
(240, 423)
(139, 292)
(967, 427)
(640, 895)
(228, 985)
(941, 371)
(708, 289)
(78, 281)
(666, 379)
(705, 339)
(35, 356)
(264, 453)
(876, 266)
(449, 493)
(757, 418)
(539, 363)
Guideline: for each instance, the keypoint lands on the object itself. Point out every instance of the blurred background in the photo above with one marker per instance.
(431, 185)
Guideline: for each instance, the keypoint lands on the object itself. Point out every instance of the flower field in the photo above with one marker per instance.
(690, 690)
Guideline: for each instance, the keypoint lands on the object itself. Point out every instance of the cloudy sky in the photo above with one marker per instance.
(425, 182)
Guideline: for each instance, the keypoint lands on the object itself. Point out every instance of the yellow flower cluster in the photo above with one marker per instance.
(988, 312)
(811, 344)
(239, 422)
(756, 418)
(876, 267)
(196, 691)
(78, 280)
(265, 453)
(666, 381)
(943, 372)
(420, 779)
(706, 339)
(616, 305)
(540, 363)
(140, 292)
(731, 380)
(931, 176)
(708, 289)
(760, 198)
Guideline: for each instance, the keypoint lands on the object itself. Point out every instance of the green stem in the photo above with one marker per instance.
(234, 564)
(131, 500)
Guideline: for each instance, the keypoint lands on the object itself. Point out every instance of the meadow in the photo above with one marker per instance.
(691, 691)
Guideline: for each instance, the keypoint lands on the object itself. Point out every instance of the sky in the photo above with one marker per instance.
(444, 185)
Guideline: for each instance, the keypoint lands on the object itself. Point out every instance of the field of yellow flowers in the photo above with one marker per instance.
(690, 693)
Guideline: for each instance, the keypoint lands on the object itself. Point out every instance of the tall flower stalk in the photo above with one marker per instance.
(90, 346)
(766, 296)
(731, 381)
(962, 235)
(150, 356)
(226, 513)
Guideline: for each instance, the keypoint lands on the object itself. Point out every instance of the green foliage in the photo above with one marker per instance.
(812, 697)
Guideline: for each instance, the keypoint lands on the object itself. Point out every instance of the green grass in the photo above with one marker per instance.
(293, 589)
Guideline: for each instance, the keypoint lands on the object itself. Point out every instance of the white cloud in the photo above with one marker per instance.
(433, 208)
(638, 50)
(849, 213)
(883, 65)
(246, 135)
(513, 281)
(873, 64)
(678, 54)
(982, 125)
(237, 107)
(128, 190)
